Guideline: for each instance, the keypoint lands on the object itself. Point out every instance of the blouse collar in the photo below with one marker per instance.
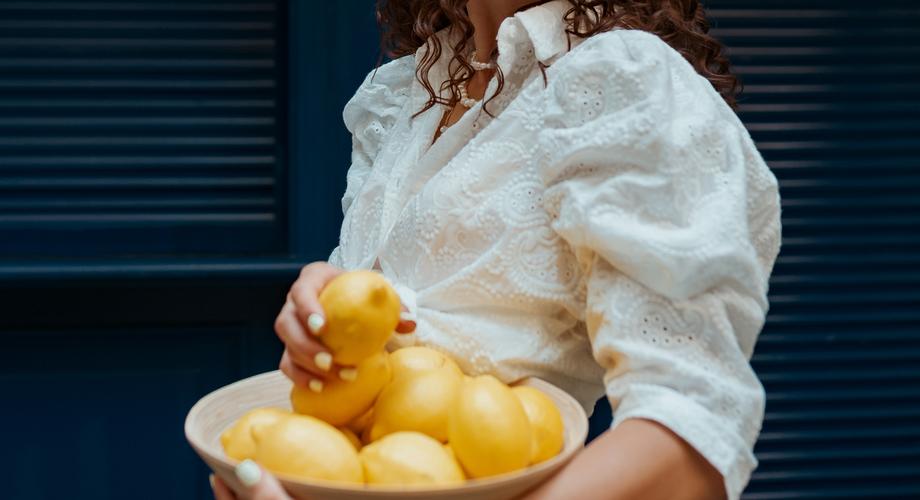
(545, 27)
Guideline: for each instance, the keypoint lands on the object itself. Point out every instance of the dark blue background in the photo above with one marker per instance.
(167, 166)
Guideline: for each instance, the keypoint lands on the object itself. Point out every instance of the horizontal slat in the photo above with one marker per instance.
(905, 125)
(150, 44)
(56, 103)
(172, 203)
(802, 11)
(841, 434)
(852, 472)
(135, 182)
(134, 84)
(159, 25)
(57, 7)
(864, 453)
(820, 493)
(873, 374)
(49, 65)
(20, 273)
(134, 122)
(133, 162)
(35, 220)
(849, 395)
(49, 143)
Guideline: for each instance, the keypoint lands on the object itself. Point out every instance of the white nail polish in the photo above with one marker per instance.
(211, 480)
(316, 385)
(248, 473)
(323, 361)
(315, 322)
(406, 316)
(348, 374)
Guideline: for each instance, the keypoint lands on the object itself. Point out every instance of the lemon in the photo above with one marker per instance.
(415, 359)
(307, 448)
(361, 311)
(341, 401)
(352, 437)
(545, 423)
(364, 421)
(366, 436)
(488, 428)
(237, 439)
(419, 402)
(409, 458)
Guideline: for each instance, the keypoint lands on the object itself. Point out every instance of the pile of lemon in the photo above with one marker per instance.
(408, 418)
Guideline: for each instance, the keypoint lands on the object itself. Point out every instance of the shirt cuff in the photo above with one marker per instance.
(707, 433)
(407, 297)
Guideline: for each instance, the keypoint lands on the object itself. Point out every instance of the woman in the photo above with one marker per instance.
(562, 189)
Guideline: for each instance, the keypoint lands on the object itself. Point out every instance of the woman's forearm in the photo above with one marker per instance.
(639, 459)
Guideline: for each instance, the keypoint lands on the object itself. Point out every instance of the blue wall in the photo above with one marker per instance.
(167, 166)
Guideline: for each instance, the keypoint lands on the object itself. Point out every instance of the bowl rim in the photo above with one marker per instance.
(329, 486)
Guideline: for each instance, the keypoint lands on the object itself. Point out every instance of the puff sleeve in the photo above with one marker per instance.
(674, 219)
(369, 116)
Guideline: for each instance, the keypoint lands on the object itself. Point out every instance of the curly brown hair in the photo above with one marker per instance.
(406, 25)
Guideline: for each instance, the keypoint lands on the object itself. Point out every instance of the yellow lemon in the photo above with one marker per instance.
(352, 437)
(409, 458)
(416, 403)
(237, 439)
(362, 422)
(361, 312)
(342, 401)
(488, 428)
(545, 423)
(307, 448)
(409, 360)
(450, 451)
(366, 436)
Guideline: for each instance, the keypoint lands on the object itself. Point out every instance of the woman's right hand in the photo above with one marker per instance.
(305, 360)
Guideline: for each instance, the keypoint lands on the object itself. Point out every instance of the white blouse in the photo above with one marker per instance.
(612, 230)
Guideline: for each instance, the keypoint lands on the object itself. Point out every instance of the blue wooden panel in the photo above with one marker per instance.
(96, 388)
(832, 99)
(141, 128)
(106, 409)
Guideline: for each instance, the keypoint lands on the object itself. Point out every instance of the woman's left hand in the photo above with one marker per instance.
(258, 484)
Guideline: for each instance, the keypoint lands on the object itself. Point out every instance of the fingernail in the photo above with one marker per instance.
(211, 480)
(407, 316)
(316, 385)
(315, 322)
(248, 473)
(323, 361)
(348, 374)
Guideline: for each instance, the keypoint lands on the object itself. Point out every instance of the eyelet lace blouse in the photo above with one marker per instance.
(612, 230)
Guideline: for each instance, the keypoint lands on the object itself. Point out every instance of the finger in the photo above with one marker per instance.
(305, 294)
(221, 490)
(303, 348)
(259, 484)
(407, 321)
(298, 375)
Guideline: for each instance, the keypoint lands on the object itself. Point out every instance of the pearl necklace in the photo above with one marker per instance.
(480, 66)
(465, 98)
